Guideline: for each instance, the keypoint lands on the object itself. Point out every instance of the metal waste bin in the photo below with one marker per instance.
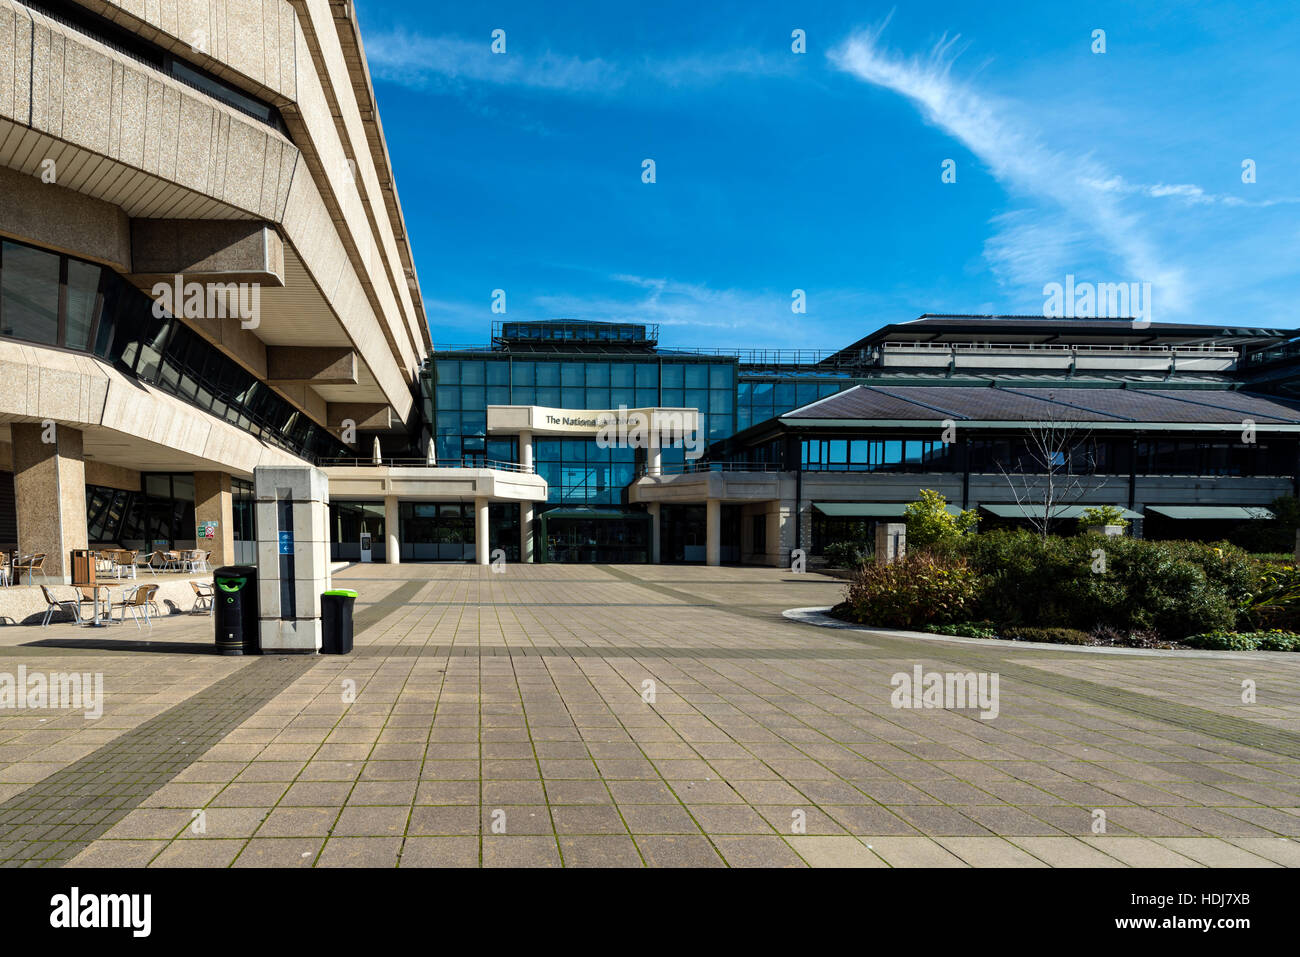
(336, 621)
(235, 602)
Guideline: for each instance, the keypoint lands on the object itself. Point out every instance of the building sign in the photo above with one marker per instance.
(286, 543)
(540, 420)
(207, 530)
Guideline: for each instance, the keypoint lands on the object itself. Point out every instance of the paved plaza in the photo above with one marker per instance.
(637, 715)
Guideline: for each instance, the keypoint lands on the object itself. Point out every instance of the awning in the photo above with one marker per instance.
(1038, 511)
(868, 509)
(1233, 513)
(588, 511)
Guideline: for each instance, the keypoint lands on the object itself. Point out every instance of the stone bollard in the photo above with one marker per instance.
(891, 542)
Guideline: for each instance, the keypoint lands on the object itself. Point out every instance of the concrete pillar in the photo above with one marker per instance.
(891, 542)
(481, 552)
(50, 495)
(654, 460)
(392, 529)
(713, 531)
(526, 450)
(653, 509)
(293, 556)
(212, 503)
(526, 510)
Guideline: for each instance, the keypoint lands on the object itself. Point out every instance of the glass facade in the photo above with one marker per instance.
(159, 515)
(759, 399)
(461, 387)
(55, 300)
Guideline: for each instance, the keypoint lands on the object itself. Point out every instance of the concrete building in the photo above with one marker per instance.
(204, 267)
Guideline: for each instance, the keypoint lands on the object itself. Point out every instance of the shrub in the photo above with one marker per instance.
(967, 629)
(1173, 588)
(1054, 636)
(842, 554)
(1103, 515)
(929, 522)
(1223, 640)
(915, 592)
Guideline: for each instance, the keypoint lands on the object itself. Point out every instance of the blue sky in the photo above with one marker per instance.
(821, 171)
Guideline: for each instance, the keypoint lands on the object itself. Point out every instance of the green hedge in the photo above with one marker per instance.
(1015, 579)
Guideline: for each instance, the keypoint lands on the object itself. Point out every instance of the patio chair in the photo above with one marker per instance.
(33, 565)
(140, 601)
(53, 604)
(5, 572)
(174, 561)
(203, 594)
(156, 562)
(201, 559)
(124, 563)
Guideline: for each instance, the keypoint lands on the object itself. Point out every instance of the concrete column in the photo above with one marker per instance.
(653, 509)
(50, 495)
(713, 532)
(654, 460)
(526, 450)
(526, 531)
(212, 503)
(481, 552)
(392, 528)
(293, 556)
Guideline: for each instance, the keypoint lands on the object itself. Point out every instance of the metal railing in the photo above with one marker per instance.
(1108, 348)
(692, 468)
(467, 462)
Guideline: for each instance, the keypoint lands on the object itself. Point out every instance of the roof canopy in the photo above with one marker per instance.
(903, 404)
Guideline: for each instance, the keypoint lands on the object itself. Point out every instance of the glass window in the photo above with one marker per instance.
(498, 395)
(720, 377)
(621, 375)
(672, 377)
(83, 293)
(29, 290)
(572, 374)
(647, 375)
(548, 374)
(697, 376)
(523, 373)
(448, 372)
(498, 373)
(448, 397)
(573, 398)
(598, 374)
(471, 373)
(472, 398)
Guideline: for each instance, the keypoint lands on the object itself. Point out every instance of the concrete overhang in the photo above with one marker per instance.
(433, 484)
(702, 486)
(115, 130)
(123, 421)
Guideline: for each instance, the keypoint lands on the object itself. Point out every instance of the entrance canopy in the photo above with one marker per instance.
(1237, 513)
(1040, 511)
(868, 509)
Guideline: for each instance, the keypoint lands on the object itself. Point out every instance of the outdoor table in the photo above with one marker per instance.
(96, 621)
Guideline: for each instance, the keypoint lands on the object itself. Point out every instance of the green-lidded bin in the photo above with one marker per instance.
(234, 603)
(336, 621)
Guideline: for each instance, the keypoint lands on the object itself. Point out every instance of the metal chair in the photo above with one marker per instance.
(203, 595)
(53, 604)
(32, 564)
(140, 600)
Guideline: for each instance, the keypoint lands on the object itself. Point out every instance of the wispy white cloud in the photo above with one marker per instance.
(1079, 189)
(434, 62)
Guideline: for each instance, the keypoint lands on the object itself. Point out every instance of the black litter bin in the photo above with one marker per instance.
(336, 621)
(235, 610)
